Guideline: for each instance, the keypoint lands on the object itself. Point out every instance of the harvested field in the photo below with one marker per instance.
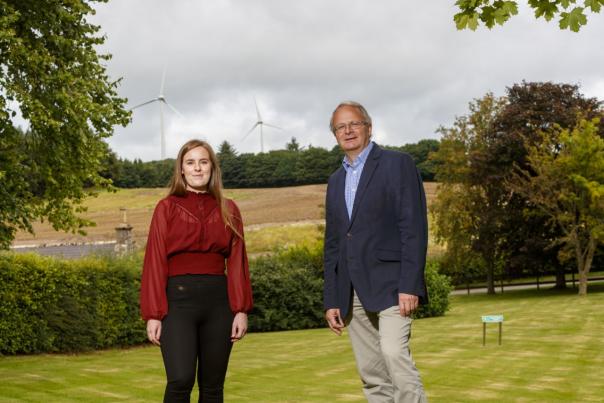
(260, 208)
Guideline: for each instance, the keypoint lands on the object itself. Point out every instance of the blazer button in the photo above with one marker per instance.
(349, 235)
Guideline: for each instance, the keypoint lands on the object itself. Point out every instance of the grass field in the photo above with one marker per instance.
(552, 352)
(274, 217)
(258, 206)
(262, 239)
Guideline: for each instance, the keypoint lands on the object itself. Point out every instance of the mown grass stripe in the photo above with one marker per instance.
(551, 352)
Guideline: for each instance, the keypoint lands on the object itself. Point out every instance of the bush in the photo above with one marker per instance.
(52, 305)
(439, 288)
(288, 290)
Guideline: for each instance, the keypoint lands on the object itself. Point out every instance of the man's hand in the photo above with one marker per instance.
(407, 303)
(154, 331)
(334, 320)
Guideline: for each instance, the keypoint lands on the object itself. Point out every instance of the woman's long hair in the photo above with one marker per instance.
(178, 185)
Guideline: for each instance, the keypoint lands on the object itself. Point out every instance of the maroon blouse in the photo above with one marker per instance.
(188, 236)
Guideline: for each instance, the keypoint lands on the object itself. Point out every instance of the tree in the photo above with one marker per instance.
(478, 154)
(293, 145)
(51, 70)
(468, 210)
(571, 14)
(420, 152)
(230, 165)
(284, 173)
(110, 165)
(314, 165)
(530, 108)
(566, 181)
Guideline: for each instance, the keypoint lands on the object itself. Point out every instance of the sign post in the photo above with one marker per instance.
(491, 319)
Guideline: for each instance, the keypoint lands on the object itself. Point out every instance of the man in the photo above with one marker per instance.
(376, 237)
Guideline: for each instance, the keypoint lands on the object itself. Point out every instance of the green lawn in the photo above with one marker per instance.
(552, 351)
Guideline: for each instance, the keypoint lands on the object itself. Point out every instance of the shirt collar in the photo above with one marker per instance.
(360, 159)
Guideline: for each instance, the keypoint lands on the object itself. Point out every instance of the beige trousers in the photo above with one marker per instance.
(380, 342)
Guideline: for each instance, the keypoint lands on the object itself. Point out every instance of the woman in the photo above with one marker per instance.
(193, 311)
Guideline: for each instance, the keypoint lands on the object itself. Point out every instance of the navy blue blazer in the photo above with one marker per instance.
(381, 249)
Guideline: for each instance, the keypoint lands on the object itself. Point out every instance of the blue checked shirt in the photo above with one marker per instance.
(353, 175)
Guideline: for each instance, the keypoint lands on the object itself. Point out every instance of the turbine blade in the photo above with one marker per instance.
(144, 103)
(251, 130)
(257, 110)
(173, 109)
(273, 126)
(162, 132)
(163, 82)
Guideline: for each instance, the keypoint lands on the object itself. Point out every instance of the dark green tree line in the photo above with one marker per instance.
(291, 166)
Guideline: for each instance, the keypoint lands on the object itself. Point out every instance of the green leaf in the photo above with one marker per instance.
(594, 5)
(504, 10)
(466, 5)
(510, 7)
(573, 20)
(545, 9)
(473, 22)
(488, 16)
(463, 21)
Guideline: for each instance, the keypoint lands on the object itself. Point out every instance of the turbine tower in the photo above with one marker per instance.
(260, 123)
(162, 101)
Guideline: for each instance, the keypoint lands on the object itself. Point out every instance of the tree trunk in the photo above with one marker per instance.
(584, 263)
(582, 282)
(490, 278)
(560, 277)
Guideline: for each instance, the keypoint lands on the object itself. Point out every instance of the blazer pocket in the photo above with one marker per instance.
(388, 255)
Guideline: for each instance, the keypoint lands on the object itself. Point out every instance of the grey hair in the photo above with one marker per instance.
(360, 108)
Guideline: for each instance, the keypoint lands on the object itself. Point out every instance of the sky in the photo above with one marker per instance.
(403, 60)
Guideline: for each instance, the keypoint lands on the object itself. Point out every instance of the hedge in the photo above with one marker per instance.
(53, 305)
(288, 291)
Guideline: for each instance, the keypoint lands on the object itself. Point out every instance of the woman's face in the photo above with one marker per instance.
(197, 169)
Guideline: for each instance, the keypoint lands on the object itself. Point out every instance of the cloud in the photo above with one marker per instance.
(405, 61)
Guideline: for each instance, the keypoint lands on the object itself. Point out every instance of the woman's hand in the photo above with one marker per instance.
(239, 326)
(154, 331)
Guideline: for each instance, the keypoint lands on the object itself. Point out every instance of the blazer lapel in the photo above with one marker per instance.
(368, 170)
(340, 201)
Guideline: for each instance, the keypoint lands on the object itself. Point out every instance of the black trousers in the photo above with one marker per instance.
(196, 337)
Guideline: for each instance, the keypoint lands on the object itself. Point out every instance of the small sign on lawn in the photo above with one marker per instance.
(491, 319)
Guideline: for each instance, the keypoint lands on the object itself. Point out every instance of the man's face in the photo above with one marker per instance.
(350, 139)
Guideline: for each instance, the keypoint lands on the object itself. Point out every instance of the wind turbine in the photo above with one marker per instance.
(260, 123)
(162, 101)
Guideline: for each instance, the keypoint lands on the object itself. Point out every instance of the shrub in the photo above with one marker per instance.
(52, 305)
(288, 290)
(439, 288)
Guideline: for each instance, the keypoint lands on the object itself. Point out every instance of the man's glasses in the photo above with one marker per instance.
(354, 126)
